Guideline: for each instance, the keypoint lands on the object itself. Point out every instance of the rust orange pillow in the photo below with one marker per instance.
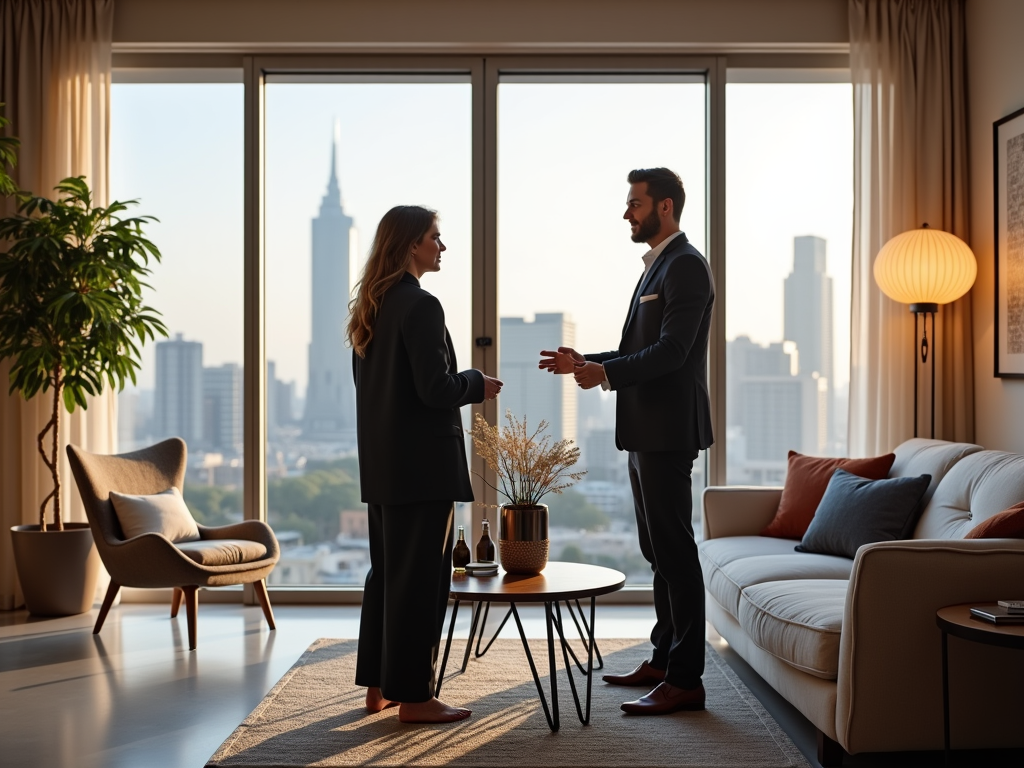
(806, 482)
(1008, 524)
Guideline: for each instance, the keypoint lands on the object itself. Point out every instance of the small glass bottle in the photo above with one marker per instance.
(460, 555)
(485, 547)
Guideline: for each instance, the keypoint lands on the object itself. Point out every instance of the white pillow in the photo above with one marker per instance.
(164, 513)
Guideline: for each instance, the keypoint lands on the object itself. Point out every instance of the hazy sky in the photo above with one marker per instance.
(564, 151)
(563, 245)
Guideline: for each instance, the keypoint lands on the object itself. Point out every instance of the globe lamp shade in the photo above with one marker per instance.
(925, 266)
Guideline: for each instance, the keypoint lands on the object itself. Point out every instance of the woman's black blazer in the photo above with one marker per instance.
(408, 394)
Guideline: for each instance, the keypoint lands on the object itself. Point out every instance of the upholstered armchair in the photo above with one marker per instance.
(242, 553)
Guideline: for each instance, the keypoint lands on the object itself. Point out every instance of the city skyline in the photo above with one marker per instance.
(791, 158)
(780, 395)
(562, 249)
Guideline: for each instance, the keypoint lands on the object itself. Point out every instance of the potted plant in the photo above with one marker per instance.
(71, 319)
(8, 156)
(528, 467)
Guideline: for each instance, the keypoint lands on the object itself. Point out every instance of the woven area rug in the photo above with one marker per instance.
(314, 716)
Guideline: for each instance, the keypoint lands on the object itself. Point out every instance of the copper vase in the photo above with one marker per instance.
(523, 542)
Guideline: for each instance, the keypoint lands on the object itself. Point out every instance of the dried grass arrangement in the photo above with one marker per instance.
(528, 465)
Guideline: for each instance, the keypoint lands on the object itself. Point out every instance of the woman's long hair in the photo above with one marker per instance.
(400, 229)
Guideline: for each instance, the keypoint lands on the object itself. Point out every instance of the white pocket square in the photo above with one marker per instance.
(648, 297)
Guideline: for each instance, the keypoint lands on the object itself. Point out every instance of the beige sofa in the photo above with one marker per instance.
(853, 644)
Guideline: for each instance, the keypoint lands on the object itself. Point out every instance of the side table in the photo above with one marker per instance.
(958, 621)
(558, 582)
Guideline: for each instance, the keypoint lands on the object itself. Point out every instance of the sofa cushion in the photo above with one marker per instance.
(921, 456)
(855, 512)
(1008, 524)
(223, 551)
(729, 548)
(798, 622)
(977, 487)
(733, 565)
(806, 480)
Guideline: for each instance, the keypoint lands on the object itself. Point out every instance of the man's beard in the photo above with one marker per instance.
(648, 228)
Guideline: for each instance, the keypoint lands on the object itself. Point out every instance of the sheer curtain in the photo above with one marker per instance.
(907, 65)
(55, 82)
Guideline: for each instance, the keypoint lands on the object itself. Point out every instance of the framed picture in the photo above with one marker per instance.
(1008, 138)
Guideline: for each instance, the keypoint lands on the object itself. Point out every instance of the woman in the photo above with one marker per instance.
(412, 463)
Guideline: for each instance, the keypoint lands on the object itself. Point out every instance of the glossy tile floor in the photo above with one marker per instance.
(135, 697)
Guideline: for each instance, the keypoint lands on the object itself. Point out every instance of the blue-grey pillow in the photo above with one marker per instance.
(855, 511)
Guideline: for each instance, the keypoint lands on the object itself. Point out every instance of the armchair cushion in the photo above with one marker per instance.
(806, 480)
(164, 513)
(223, 551)
(856, 511)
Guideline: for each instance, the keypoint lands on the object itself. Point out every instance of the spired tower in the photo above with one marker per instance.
(330, 413)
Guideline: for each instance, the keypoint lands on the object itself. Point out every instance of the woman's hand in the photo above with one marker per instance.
(491, 387)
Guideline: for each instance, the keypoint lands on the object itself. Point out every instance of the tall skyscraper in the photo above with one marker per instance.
(178, 406)
(808, 316)
(222, 408)
(330, 413)
(528, 391)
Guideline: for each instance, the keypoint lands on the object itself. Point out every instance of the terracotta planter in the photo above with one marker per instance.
(523, 542)
(57, 569)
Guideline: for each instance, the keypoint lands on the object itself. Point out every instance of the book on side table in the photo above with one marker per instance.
(997, 614)
(1012, 606)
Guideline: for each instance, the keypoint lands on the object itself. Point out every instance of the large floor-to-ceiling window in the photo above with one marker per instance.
(567, 268)
(176, 147)
(789, 193)
(340, 151)
(525, 160)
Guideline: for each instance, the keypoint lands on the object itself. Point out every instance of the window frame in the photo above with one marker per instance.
(485, 72)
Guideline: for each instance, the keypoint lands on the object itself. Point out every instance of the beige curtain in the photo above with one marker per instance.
(907, 64)
(55, 82)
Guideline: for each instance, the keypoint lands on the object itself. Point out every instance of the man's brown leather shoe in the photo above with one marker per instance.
(645, 674)
(664, 699)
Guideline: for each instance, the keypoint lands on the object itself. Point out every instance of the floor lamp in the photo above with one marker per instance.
(925, 268)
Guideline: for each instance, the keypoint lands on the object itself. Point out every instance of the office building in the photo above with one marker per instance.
(771, 409)
(222, 409)
(809, 317)
(529, 392)
(178, 406)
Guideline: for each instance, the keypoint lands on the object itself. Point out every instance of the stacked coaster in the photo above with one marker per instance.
(482, 569)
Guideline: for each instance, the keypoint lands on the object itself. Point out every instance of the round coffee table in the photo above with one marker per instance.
(558, 582)
(957, 620)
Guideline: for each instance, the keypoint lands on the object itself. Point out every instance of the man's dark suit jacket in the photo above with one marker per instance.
(408, 395)
(659, 372)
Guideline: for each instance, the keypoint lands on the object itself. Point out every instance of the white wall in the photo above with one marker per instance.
(995, 88)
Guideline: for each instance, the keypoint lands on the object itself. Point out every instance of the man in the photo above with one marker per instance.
(663, 418)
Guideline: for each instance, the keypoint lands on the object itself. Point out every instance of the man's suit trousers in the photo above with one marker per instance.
(663, 504)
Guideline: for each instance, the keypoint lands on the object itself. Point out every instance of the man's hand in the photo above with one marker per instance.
(564, 360)
(492, 387)
(589, 375)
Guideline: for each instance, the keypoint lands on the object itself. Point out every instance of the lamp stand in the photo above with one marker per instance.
(927, 309)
